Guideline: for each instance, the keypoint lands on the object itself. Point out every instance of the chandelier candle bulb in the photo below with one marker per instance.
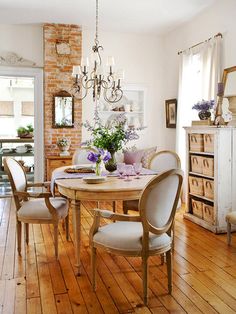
(110, 61)
(120, 74)
(100, 70)
(76, 70)
(85, 62)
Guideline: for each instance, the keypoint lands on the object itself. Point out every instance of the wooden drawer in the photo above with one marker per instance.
(208, 166)
(208, 188)
(197, 208)
(196, 164)
(208, 213)
(196, 142)
(59, 163)
(196, 185)
(208, 143)
(54, 162)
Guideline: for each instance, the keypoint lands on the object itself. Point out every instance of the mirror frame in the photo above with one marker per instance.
(226, 72)
(62, 93)
(218, 117)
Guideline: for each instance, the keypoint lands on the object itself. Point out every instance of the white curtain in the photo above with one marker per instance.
(199, 72)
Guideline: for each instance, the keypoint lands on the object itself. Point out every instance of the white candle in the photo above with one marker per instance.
(76, 70)
(110, 61)
(120, 74)
(85, 61)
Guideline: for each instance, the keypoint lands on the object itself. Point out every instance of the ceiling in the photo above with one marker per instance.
(139, 16)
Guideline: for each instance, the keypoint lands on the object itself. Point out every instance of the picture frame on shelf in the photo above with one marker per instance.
(171, 113)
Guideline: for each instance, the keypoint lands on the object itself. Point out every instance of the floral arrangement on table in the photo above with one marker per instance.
(204, 107)
(111, 137)
(97, 156)
(63, 144)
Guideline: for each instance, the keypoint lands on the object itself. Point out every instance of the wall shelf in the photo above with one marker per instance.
(132, 105)
(5, 189)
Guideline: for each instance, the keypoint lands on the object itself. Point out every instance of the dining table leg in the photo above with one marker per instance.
(76, 222)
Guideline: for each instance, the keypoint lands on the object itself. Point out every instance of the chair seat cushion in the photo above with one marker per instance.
(37, 209)
(231, 217)
(127, 236)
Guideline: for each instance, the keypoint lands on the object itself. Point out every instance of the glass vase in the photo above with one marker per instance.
(111, 164)
(204, 114)
(98, 169)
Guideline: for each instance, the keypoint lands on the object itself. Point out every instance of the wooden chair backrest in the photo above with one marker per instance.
(17, 177)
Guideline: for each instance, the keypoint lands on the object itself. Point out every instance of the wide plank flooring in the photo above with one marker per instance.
(204, 278)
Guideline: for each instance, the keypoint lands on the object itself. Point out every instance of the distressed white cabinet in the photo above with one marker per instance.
(210, 176)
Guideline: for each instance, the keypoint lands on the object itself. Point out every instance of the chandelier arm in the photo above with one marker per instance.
(87, 84)
(115, 96)
(106, 84)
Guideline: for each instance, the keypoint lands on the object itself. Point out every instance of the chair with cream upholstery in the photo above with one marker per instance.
(36, 208)
(161, 161)
(164, 160)
(80, 156)
(231, 220)
(144, 235)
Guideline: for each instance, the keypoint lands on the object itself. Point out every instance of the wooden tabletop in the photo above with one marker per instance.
(111, 189)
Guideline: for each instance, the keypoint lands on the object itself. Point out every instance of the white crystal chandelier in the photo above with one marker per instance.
(106, 83)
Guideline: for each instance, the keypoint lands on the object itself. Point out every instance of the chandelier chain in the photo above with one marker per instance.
(96, 34)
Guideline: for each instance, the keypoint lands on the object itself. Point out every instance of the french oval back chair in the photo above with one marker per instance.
(80, 156)
(164, 160)
(36, 208)
(144, 235)
(161, 161)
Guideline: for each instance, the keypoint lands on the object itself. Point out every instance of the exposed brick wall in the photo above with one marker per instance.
(57, 77)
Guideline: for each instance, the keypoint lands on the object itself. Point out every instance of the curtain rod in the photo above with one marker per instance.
(219, 34)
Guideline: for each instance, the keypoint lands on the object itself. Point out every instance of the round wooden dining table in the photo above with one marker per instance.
(112, 189)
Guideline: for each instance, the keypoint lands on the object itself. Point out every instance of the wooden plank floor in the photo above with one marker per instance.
(204, 273)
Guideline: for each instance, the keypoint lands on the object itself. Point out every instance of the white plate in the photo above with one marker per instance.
(93, 180)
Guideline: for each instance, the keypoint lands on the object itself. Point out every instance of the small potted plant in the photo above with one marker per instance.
(204, 107)
(27, 131)
(63, 144)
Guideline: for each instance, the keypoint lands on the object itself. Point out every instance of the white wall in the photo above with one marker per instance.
(141, 58)
(139, 55)
(25, 40)
(218, 18)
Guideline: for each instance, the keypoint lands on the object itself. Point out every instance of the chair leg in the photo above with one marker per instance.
(145, 279)
(169, 269)
(173, 236)
(56, 239)
(125, 208)
(67, 227)
(93, 266)
(228, 232)
(27, 233)
(163, 258)
(114, 206)
(19, 237)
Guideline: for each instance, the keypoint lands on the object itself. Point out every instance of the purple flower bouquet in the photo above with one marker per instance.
(97, 156)
(204, 105)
